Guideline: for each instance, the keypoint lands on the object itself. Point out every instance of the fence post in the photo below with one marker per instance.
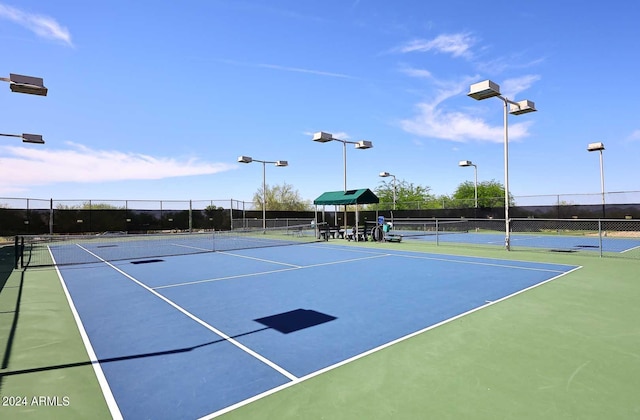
(51, 216)
(600, 235)
(190, 218)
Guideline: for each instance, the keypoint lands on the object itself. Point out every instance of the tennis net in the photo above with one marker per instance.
(47, 250)
(417, 227)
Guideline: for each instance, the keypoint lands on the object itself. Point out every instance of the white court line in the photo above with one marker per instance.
(258, 259)
(374, 350)
(238, 276)
(516, 267)
(241, 346)
(454, 259)
(188, 283)
(95, 363)
(193, 247)
(630, 249)
(349, 260)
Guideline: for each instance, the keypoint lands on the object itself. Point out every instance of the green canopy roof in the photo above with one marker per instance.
(362, 196)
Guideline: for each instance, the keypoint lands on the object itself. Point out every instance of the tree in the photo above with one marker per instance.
(88, 205)
(281, 197)
(213, 208)
(408, 196)
(490, 194)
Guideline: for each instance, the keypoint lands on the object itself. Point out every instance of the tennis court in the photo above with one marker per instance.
(198, 334)
(318, 329)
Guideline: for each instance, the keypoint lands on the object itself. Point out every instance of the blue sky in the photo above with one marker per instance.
(156, 100)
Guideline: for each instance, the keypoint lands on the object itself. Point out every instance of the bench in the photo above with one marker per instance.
(362, 235)
(326, 232)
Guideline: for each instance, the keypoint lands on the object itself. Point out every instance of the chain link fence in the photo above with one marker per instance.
(33, 216)
(575, 223)
(597, 237)
(605, 237)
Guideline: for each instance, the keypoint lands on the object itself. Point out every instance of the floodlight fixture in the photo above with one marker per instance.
(245, 159)
(483, 90)
(32, 138)
(522, 107)
(322, 137)
(364, 144)
(385, 174)
(27, 138)
(282, 163)
(26, 84)
(465, 163)
(594, 147)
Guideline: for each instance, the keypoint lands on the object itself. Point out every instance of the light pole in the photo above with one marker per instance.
(322, 137)
(248, 159)
(489, 89)
(599, 147)
(386, 174)
(465, 163)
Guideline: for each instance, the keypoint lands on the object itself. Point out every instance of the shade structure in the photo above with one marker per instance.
(345, 198)
(361, 196)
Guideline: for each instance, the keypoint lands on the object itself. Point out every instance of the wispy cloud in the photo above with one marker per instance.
(458, 126)
(434, 121)
(29, 166)
(419, 73)
(513, 87)
(503, 64)
(634, 136)
(457, 45)
(285, 68)
(43, 26)
(301, 70)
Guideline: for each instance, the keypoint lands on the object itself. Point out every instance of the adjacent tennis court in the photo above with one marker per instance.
(610, 237)
(195, 335)
(555, 242)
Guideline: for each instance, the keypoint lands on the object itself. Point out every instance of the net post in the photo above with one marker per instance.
(21, 251)
(437, 233)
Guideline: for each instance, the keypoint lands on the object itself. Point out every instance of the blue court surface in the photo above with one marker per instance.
(193, 336)
(556, 242)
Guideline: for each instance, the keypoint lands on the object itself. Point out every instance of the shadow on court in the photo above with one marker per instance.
(8, 308)
(286, 323)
